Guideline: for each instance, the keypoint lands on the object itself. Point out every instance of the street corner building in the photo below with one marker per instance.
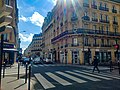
(9, 29)
(77, 30)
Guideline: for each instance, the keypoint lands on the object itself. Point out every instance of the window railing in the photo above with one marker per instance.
(114, 11)
(95, 19)
(74, 45)
(94, 6)
(85, 31)
(103, 8)
(96, 45)
(86, 18)
(104, 21)
(85, 5)
(114, 22)
(74, 18)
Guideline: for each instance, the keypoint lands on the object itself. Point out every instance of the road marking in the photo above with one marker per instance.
(71, 77)
(58, 79)
(44, 82)
(93, 75)
(84, 76)
(105, 74)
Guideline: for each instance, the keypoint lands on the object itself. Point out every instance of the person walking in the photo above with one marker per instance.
(95, 63)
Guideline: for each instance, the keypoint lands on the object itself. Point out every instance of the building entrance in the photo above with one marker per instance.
(75, 57)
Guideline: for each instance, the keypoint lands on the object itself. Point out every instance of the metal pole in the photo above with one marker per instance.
(1, 57)
(26, 73)
(18, 70)
(83, 48)
(4, 70)
(29, 77)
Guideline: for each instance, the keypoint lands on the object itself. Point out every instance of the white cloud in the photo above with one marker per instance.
(26, 37)
(22, 18)
(53, 1)
(36, 19)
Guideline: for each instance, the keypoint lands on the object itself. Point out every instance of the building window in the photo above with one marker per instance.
(108, 42)
(93, 2)
(94, 27)
(115, 30)
(86, 41)
(7, 2)
(95, 41)
(102, 41)
(101, 16)
(74, 41)
(86, 1)
(114, 18)
(107, 18)
(107, 29)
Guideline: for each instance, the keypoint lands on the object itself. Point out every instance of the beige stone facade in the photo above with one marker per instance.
(9, 28)
(74, 26)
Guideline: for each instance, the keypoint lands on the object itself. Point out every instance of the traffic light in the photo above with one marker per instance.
(116, 46)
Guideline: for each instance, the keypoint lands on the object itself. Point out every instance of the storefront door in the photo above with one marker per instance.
(75, 57)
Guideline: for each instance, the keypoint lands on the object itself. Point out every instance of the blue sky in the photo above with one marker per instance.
(31, 17)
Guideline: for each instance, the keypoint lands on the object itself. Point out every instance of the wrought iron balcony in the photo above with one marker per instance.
(74, 18)
(5, 20)
(96, 45)
(85, 5)
(94, 6)
(95, 19)
(114, 11)
(66, 45)
(103, 8)
(74, 45)
(85, 32)
(104, 21)
(87, 44)
(86, 18)
(114, 22)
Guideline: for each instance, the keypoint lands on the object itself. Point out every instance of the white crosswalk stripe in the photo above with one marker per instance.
(74, 75)
(93, 75)
(58, 79)
(84, 76)
(44, 82)
(71, 77)
(104, 74)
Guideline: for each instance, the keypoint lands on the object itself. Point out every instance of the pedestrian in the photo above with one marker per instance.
(95, 63)
(111, 66)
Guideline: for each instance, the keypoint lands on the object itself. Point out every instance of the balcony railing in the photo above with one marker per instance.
(74, 18)
(104, 21)
(74, 45)
(114, 22)
(95, 19)
(103, 8)
(85, 31)
(114, 11)
(85, 5)
(86, 18)
(87, 44)
(96, 45)
(94, 6)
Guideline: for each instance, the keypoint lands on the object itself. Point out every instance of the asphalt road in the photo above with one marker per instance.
(61, 77)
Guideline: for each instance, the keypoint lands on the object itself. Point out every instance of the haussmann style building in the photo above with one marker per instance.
(74, 27)
(9, 29)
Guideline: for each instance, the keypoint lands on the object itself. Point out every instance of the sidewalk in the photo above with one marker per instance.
(10, 81)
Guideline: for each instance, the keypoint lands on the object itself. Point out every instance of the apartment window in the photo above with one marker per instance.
(74, 14)
(86, 1)
(107, 28)
(93, 2)
(114, 8)
(94, 27)
(94, 15)
(115, 19)
(101, 16)
(95, 41)
(108, 42)
(105, 5)
(107, 18)
(86, 13)
(74, 41)
(115, 29)
(5, 37)
(7, 2)
(102, 41)
(86, 26)
(100, 4)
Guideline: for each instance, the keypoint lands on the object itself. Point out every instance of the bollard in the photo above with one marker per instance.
(4, 70)
(26, 73)
(29, 77)
(18, 70)
(119, 67)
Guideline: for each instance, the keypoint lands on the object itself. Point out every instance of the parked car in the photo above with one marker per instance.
(26, 60)
(38, 60)
(48, 61)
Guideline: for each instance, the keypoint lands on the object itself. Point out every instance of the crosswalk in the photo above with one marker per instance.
(46, 65)
(66, 78)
